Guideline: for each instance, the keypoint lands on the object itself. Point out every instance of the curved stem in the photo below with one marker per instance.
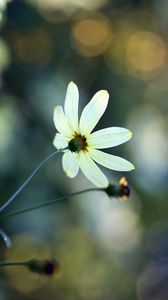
(48, 203)
(27, 180)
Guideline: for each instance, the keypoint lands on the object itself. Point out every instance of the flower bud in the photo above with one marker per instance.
(120, 190)
(47, 267)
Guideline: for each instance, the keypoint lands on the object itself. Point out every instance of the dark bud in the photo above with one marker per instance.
(47, 267)
(120, 190)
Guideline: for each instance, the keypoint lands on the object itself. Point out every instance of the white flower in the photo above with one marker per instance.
(82, 145)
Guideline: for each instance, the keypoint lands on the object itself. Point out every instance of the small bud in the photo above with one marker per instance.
(47, 267)
(120, 190)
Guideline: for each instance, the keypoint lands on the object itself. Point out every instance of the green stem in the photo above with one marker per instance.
(19, 212)
(13, 264)
(44, 161)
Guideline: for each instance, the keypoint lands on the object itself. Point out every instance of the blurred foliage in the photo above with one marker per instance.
(106, 249)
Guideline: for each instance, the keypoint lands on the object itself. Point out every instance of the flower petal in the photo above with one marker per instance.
(109, 137)
(61, 122)
(111, 161)
(91, 170)
(71, 106)
(60, 141)
(93, 111)
(70, 163)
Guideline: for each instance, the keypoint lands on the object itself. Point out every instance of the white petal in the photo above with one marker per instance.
(111, 161)
(109, 137)
(70, 162)
(60, 141)
(71, 106)
(61, 122)
(91, 170)
(93, 111)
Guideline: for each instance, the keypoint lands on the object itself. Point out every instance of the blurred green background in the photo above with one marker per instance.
(106, 249)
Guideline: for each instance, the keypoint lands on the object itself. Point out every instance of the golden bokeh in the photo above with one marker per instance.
(146, 53)
(114, 57)
(33, 47)
(91, 34)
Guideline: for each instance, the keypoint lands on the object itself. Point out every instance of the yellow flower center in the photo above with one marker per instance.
(78, 143)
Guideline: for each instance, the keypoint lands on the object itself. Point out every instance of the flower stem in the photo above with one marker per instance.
(28, 180)
(52, 202)
(44, 267)
(13, 264)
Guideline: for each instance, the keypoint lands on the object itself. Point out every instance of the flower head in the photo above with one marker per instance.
(81, 145)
